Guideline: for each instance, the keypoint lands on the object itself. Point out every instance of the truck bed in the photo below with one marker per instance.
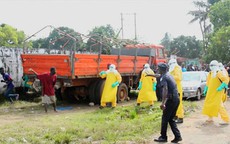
(84, 65)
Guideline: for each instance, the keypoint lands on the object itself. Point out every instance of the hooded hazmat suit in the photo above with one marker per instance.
(176, 72)
(215, 84)
(113, 78)
(147, 87)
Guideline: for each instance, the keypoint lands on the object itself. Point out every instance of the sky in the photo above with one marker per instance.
(153, 17)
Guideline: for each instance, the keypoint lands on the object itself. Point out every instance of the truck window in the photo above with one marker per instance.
(161, 53)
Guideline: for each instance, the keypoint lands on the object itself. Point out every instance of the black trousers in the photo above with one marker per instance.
(167, 117)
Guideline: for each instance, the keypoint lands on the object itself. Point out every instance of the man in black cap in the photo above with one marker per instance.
(169, 105)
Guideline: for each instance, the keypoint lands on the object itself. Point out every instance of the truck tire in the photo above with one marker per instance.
(92, 91)
(99, 90)
(69, 95)
(122, 92)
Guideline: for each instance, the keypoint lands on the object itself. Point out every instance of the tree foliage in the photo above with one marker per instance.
(11, 37)
(219, 44)
(219, 48)
(101, 37)
(220, 14)
(186, 46)
(212, 2)
(217, 40)
(60, 38)
(201, 15)
(166, 41)
(41, 43)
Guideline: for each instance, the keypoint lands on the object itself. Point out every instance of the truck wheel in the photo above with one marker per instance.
(99, 90)
(69, 95)
(92, 91)
(122, 92)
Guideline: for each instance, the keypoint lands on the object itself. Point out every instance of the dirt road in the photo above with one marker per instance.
(194, 130)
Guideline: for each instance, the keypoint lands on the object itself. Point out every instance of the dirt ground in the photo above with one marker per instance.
(194, 130)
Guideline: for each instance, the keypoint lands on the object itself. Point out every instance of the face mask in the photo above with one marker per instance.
(212, 67)
(172, 66)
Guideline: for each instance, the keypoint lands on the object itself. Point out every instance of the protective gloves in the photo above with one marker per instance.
(154, 86)
(222, 86)
(102, 72)
(140, 86)
(205, 90)
(115, 84)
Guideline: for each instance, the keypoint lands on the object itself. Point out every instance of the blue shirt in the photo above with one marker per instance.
(168, 81)
(8, 80)
(184, 69)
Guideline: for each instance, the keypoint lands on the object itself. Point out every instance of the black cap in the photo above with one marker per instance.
(162, 66)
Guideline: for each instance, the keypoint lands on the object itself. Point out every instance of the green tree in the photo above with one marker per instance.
(186, 46)
(219, 48)
(60, 38)
(41, 43)
(11, 37)
(212, 2)
(166, 41)
(219, 43)
(201, 15)
(103, 37)
(220, 14)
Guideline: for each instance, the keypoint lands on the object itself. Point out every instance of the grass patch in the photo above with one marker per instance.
(119, 125)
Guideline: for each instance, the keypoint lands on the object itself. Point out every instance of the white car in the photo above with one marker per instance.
(193, 83)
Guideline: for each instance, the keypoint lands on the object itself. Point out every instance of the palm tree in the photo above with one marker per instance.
(201, 15)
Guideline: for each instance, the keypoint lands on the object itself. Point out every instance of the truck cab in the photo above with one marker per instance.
(156, 53)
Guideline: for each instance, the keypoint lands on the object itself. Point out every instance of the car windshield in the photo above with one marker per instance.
(191, 77)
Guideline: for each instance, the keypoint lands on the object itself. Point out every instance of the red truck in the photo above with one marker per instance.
(78, 74)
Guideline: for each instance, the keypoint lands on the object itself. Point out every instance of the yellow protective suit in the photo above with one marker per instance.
(177, 75)
(109, 93)
(146, 93)
(213, 104)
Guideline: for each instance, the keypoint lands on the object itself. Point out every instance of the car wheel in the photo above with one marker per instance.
(198, 94)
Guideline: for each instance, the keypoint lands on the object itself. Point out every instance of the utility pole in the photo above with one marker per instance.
(122, 27)
(135, 26)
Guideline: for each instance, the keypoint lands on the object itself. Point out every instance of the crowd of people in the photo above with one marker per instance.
(169, 83)
(165, 86)
(168, 86)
